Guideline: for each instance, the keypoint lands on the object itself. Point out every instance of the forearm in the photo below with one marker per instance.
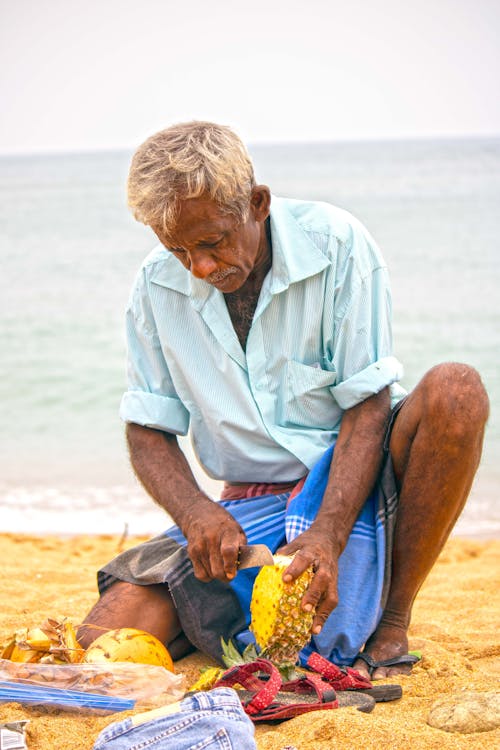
(355, 466)
(163, 470)
(213, 536)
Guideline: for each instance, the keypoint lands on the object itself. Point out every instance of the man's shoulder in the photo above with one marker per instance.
(317, 217)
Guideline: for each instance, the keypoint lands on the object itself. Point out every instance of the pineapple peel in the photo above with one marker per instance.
(280, 626)
(207, 679)
(53, 642)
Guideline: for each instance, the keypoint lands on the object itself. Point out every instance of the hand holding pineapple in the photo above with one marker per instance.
(314, 548)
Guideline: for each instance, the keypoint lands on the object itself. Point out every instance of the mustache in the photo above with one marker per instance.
(218, 276)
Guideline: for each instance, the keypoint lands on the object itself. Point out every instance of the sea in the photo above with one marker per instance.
(70, 249)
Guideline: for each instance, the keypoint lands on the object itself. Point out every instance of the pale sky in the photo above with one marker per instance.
(93, 74)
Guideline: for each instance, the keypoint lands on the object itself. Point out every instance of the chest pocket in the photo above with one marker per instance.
(307, 399)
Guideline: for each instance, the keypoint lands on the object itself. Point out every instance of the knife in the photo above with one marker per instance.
(254, 556)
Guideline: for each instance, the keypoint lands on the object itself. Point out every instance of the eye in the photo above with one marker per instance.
(212, 244)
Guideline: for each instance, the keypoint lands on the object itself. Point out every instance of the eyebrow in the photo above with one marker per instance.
(210, 240)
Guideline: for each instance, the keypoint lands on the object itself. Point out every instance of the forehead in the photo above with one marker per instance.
(202, 218)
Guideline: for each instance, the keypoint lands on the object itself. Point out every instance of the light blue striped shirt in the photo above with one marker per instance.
(320, 343)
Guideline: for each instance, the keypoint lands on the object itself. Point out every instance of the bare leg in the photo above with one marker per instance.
(148, 608)
(435, 447)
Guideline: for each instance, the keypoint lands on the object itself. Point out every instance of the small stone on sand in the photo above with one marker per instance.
(469, 712)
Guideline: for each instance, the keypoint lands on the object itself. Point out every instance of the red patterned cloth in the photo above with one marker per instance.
(257, 489)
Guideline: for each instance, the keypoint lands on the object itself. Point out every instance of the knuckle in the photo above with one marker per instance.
(331, 601)
(322, 579)
(321, 618)
(229, 549)
(194, 551)
(304, 553)
(313, 596)
(200, 573)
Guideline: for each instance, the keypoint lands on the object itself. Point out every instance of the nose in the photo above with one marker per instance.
(201, 265)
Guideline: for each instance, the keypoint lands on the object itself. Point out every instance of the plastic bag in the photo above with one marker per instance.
(86, 686)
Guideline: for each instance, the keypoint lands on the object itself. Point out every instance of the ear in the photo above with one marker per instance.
(260, 202)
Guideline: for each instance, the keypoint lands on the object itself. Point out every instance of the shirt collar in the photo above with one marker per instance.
(295, 257)
(170, 273)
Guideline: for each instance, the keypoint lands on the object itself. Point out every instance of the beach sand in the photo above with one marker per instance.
(455, 624)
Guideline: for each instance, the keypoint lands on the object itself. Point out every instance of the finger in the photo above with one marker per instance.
(324, 608)
(320, 597)
(223, 557)
(230, 555)
(201, 572)
(230, 560)
(201, 567)
(288, 550)
(319, 620)
(223, 560)
(302, 560)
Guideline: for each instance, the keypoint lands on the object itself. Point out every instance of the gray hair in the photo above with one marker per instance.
(189, 160)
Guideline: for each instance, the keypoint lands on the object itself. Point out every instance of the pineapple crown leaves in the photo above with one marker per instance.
(232, 658)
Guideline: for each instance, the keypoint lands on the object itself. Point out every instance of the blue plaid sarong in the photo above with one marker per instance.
(209, 611)
(363, 568)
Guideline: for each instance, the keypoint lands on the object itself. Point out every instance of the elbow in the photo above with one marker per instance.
(139, 437)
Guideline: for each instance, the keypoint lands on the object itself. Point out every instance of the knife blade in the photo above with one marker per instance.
(254, 556)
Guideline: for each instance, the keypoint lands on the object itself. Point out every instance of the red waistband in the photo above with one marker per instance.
(257, 489)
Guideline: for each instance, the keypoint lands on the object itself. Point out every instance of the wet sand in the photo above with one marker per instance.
(455, 624)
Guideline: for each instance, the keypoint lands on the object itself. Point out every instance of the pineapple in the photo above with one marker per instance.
(280, 626)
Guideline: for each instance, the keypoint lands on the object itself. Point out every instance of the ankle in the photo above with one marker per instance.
(395, 619)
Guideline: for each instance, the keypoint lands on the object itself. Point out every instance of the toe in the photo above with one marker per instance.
(362, 667)
(381, 673)
(398, 669)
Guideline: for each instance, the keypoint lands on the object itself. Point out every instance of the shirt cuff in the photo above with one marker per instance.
(366, 383)
(159, 412)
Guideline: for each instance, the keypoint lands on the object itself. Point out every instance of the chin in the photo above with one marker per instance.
(230, 283)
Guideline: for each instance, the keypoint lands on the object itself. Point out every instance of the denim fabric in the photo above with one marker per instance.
(205, 721)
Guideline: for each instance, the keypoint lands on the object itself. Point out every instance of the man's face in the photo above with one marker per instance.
(215, 246)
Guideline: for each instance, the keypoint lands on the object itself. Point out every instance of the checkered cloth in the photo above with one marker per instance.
(208, 611)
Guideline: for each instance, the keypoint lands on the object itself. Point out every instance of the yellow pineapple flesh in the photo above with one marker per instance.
(207, 679)
(280, 626)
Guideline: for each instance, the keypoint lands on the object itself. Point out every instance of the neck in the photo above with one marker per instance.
(263, 261)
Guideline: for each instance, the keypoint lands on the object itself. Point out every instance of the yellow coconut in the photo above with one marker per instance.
(129, 644)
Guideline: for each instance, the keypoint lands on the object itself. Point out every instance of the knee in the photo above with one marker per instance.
(456, 398)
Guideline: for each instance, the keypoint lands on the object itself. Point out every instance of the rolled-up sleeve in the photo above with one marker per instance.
(363, 357)
(150, 400)
(369, 381)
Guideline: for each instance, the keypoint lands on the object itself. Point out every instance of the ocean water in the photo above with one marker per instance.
(69, 252)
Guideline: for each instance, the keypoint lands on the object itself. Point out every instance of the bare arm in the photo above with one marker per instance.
(355, 466)
(213, 536)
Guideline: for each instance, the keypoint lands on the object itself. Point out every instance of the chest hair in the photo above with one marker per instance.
(241, 308)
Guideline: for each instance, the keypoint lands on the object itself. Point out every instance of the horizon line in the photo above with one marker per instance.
(262, 144)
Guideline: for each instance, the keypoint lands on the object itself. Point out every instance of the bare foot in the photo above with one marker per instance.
(387, 642)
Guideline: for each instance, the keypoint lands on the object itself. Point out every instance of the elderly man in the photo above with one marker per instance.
(262, 326)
